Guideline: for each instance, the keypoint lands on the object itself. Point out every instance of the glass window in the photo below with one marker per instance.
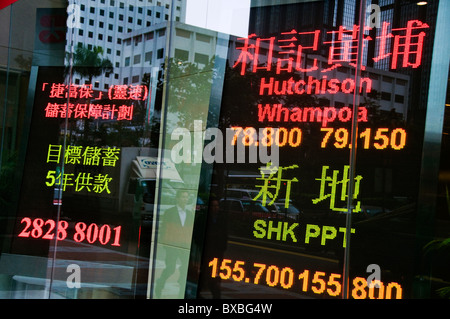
(160, 53)
(182, 54)
(272, 149)
(148, 57)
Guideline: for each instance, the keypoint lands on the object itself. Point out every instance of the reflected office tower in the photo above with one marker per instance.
(386, 14)
(396, 15)
(106, 23)
(144, 50)
(402, 13)
(133, 36)
(324, 15)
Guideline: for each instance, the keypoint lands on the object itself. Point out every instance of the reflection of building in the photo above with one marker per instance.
(105, 23)
(388, 90)
(144, 48)
(133, 38)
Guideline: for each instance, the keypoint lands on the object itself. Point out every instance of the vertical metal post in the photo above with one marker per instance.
(68, 80)
(352, 162)
(161, 153)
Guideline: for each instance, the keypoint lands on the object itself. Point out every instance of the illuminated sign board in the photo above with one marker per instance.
(293, 88)
(319, 282)
(89, 156)
(291, 46)
(292, 126)
(47, 229)
(86, 98)
(73, 165)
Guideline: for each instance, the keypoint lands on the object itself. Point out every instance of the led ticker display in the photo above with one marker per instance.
(39, 228)
(293, 232)
(317, 282)
(277, 113)
(73, 164)
(86, 156)
(291, 85)
(89, 111)
(271, 182)
(285, 51)
(312, 86)
(91, 104)
(381, 139)
(98, 183)
(134, 92)
(270, 136)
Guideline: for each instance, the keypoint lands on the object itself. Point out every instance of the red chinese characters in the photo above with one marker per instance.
(128, 92)
(136, 92)
(403, 46)
(90, 104)
(344, 47)
(89, 111)
(408, 44)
